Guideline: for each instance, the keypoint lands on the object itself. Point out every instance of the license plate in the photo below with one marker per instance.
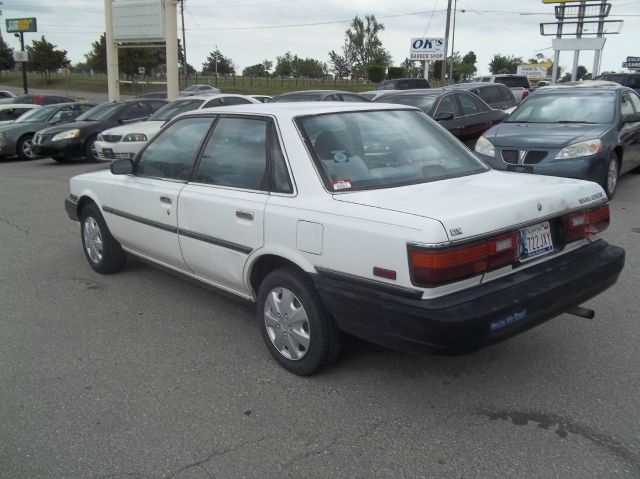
(108, 153)
(535, 241)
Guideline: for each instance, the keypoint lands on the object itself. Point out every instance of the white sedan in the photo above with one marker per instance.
(417, 246)
(123, 142)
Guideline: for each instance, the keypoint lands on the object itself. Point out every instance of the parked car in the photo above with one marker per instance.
(519, 84)
(154, 94)
(77, 139)
(6, 95)
(199, 90)
(465, 115)
(591, 133)
(375, 94)
(422, 248)
(261, 98)
(496, 95)
(318, 95)
(631, 80)
(15, 138)
(10, 112)
(125, 141)
(41, 99)
(404, 84)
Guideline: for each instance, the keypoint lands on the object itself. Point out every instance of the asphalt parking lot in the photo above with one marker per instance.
(145, 375)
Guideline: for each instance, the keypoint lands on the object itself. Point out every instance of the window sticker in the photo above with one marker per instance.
(343, 184)
(339, 156)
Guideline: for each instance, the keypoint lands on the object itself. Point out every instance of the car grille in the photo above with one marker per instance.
(116, 156)
(40, 139)
(533, 157)
(510, 156)
(112, 138)
(528, 157)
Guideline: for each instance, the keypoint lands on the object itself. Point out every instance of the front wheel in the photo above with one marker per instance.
(103, 252)
(25, 148)
(90, 152)
(610, 181)
(297, 329)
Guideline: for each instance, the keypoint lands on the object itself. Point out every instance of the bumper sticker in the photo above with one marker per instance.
(508, 321)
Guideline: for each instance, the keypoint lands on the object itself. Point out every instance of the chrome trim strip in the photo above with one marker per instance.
(216, 241)
(138, 219)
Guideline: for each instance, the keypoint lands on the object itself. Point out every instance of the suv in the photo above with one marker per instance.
(519, 84)
(495, 95)
(631, 80)
(404, 84)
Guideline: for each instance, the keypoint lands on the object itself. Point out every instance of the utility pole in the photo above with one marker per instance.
(184, 45)
(24, 66)
(171, 29)
(443, 71)
(453, 40)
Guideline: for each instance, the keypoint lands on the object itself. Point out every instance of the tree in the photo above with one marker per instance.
(362, 47)
(217, 62)
(341, 65)
(46, 58)
(504, 64)
(6, 56)
(256, 70)
(396, 72)
(410, 68)
(581, 74)
(267, 65)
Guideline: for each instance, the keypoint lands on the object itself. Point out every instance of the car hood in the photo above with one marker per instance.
(79, 125)
(542, 135)
(483, 203)
(144, 127)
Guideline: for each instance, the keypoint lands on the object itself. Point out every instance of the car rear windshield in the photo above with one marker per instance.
(513, 82)
(292, 98)
(382, 149)
(173, 109)
(100, 112)
(565, 107)
(424, 102)
(36, 115)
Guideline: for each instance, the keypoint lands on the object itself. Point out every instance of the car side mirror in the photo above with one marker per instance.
(444, 115)
(631, 118)
(121, 167)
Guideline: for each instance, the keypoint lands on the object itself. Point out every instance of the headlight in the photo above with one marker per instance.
(135, 137)
(100, 137)
(584, 148)
(66, 135)
(485, 147)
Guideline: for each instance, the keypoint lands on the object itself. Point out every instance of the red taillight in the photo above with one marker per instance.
(525, 94)
(435, 267)
(585, 224)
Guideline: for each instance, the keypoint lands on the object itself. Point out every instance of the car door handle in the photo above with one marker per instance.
(166, 199)
(244, 215)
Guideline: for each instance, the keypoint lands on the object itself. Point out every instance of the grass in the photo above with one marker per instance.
(81, 82)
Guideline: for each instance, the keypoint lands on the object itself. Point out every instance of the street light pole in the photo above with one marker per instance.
(24, 66)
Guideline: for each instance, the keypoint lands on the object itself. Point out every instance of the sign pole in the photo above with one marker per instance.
(24, 66)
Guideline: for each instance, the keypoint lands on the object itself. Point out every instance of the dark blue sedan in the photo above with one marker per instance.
(586, 132)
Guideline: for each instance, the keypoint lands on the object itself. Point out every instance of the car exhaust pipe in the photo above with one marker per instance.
(582, 312)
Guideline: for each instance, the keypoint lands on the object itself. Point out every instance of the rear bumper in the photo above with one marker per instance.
(475, 318)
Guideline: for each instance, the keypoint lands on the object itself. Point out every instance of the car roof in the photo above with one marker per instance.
(209, 96)
(295, 109)
(307, 92)
(8, 106)
(473, 84)
(419, 91)
(589, 85)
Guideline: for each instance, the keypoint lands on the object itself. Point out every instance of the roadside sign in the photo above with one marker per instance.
(427, 49)
(532, 71)
(631, 64)
(18, 25)
(21, 56)
(633, 59)
(141, 70)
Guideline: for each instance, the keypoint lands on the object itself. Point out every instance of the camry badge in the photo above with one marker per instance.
(539, 207)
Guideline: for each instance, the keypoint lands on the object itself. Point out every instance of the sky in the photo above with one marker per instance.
(250, 31)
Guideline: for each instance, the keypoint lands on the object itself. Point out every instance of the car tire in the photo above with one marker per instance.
(296, 327)
(103, 252)
(24, 148)
(90, 153)
(611, 176)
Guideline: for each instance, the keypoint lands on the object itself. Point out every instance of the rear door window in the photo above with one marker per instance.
(491, 95)
(513, 82)
(448, 105)
(469, 105)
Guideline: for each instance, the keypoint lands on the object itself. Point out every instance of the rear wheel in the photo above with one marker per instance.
(25, 149)
(610, 181)
(90, 152)
(297, 329)
(103, 252)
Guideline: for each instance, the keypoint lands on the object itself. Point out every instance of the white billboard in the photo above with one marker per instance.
(427, 49)
(136, 21)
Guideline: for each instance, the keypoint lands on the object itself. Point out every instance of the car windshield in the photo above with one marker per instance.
(424, 102)
(171, 110)
(36, 115)
(566, 107)
(301, 97)
(382, 149)
(100, 112)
